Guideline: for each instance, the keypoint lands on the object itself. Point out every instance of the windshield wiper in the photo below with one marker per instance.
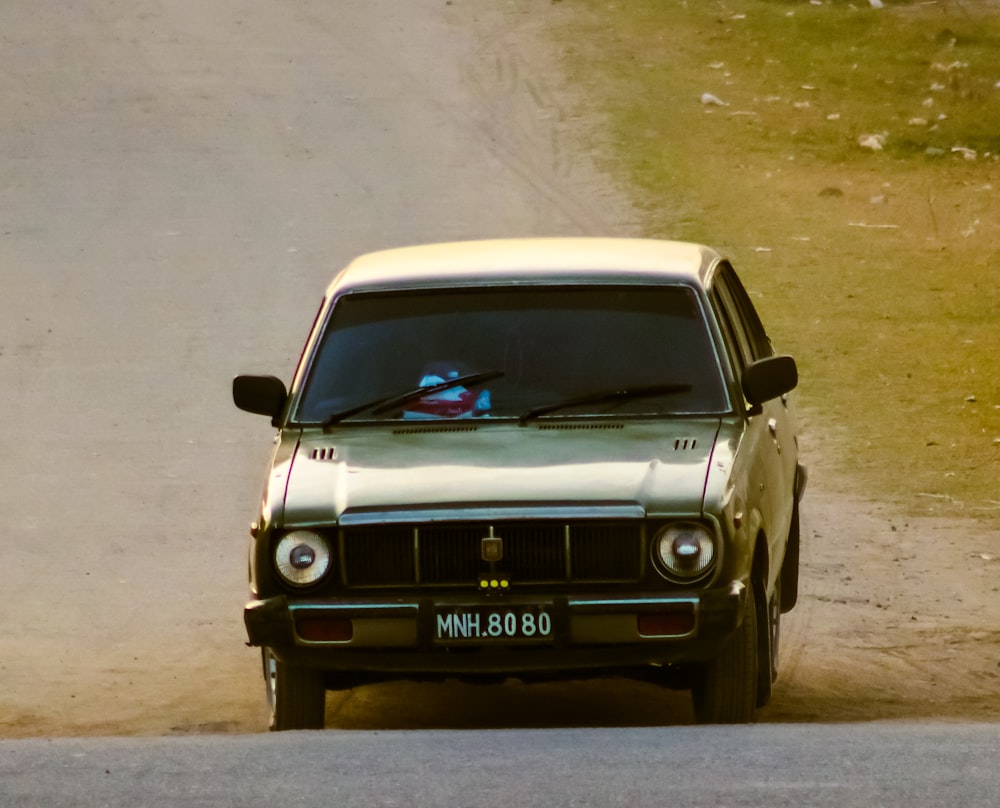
(387, 403)
(606, 396)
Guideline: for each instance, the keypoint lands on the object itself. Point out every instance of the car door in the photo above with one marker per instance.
(769, 436)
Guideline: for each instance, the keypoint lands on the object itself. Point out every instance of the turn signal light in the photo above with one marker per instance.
(665, 624)
(324, 629)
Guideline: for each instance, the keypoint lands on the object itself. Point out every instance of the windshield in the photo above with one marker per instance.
(568, 351)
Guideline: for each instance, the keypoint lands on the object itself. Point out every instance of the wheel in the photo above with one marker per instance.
(768, 615)
(727, 690)
(296, 697)
(790, 566)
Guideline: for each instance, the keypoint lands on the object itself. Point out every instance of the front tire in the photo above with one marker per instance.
(768, 616)
(790, 566)
(296, 697)
(727, 691)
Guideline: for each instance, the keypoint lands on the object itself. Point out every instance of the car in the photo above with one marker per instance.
(540, 459)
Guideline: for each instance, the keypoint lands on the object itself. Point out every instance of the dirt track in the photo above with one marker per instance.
(179, 181)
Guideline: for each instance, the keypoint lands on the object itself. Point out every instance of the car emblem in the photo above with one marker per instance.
(491, 549)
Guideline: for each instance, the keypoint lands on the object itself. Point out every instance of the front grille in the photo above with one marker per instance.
(451, 554)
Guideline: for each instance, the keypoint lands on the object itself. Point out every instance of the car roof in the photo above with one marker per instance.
(527, 260)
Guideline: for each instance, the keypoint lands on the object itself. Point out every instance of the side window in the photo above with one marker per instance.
(741, 342)
(735, 295)
(742, 330)
(729, 331)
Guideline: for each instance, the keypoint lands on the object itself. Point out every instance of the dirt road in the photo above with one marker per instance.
(179, 179)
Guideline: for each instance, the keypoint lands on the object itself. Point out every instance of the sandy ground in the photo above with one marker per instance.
(178, 181)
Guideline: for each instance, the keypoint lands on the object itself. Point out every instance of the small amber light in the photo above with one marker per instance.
(324, 629)
(665, 624)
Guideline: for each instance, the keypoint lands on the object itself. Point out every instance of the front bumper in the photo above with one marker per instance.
(399, 637)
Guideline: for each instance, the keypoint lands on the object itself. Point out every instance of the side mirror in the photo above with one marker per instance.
(261, 395)
(769, 378)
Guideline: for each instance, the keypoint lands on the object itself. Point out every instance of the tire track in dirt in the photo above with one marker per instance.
(526, 118)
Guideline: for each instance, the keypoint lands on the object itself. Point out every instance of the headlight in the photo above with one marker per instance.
(302, 557)
(684, 551)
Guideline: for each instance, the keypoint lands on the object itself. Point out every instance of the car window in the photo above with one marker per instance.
(545, 345)
(729, 331)
(738, 302)
(733, 324)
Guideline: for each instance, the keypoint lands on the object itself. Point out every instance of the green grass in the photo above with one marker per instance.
(878, 269)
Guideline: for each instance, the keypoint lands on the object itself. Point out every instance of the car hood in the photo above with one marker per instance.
(377, 474)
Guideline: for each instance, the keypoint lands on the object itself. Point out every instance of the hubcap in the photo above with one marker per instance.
(270, 680)
(775, 629)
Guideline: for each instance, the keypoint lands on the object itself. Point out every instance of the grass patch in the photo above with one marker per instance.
(847, 159)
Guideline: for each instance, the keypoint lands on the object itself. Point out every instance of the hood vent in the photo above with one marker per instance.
(685, 444)
(421, 430)
(325, 453)
(580, 426)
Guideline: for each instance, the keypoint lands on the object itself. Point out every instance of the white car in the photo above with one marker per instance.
(531, 458)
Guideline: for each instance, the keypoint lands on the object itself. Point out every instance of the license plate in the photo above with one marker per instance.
(492, 623)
